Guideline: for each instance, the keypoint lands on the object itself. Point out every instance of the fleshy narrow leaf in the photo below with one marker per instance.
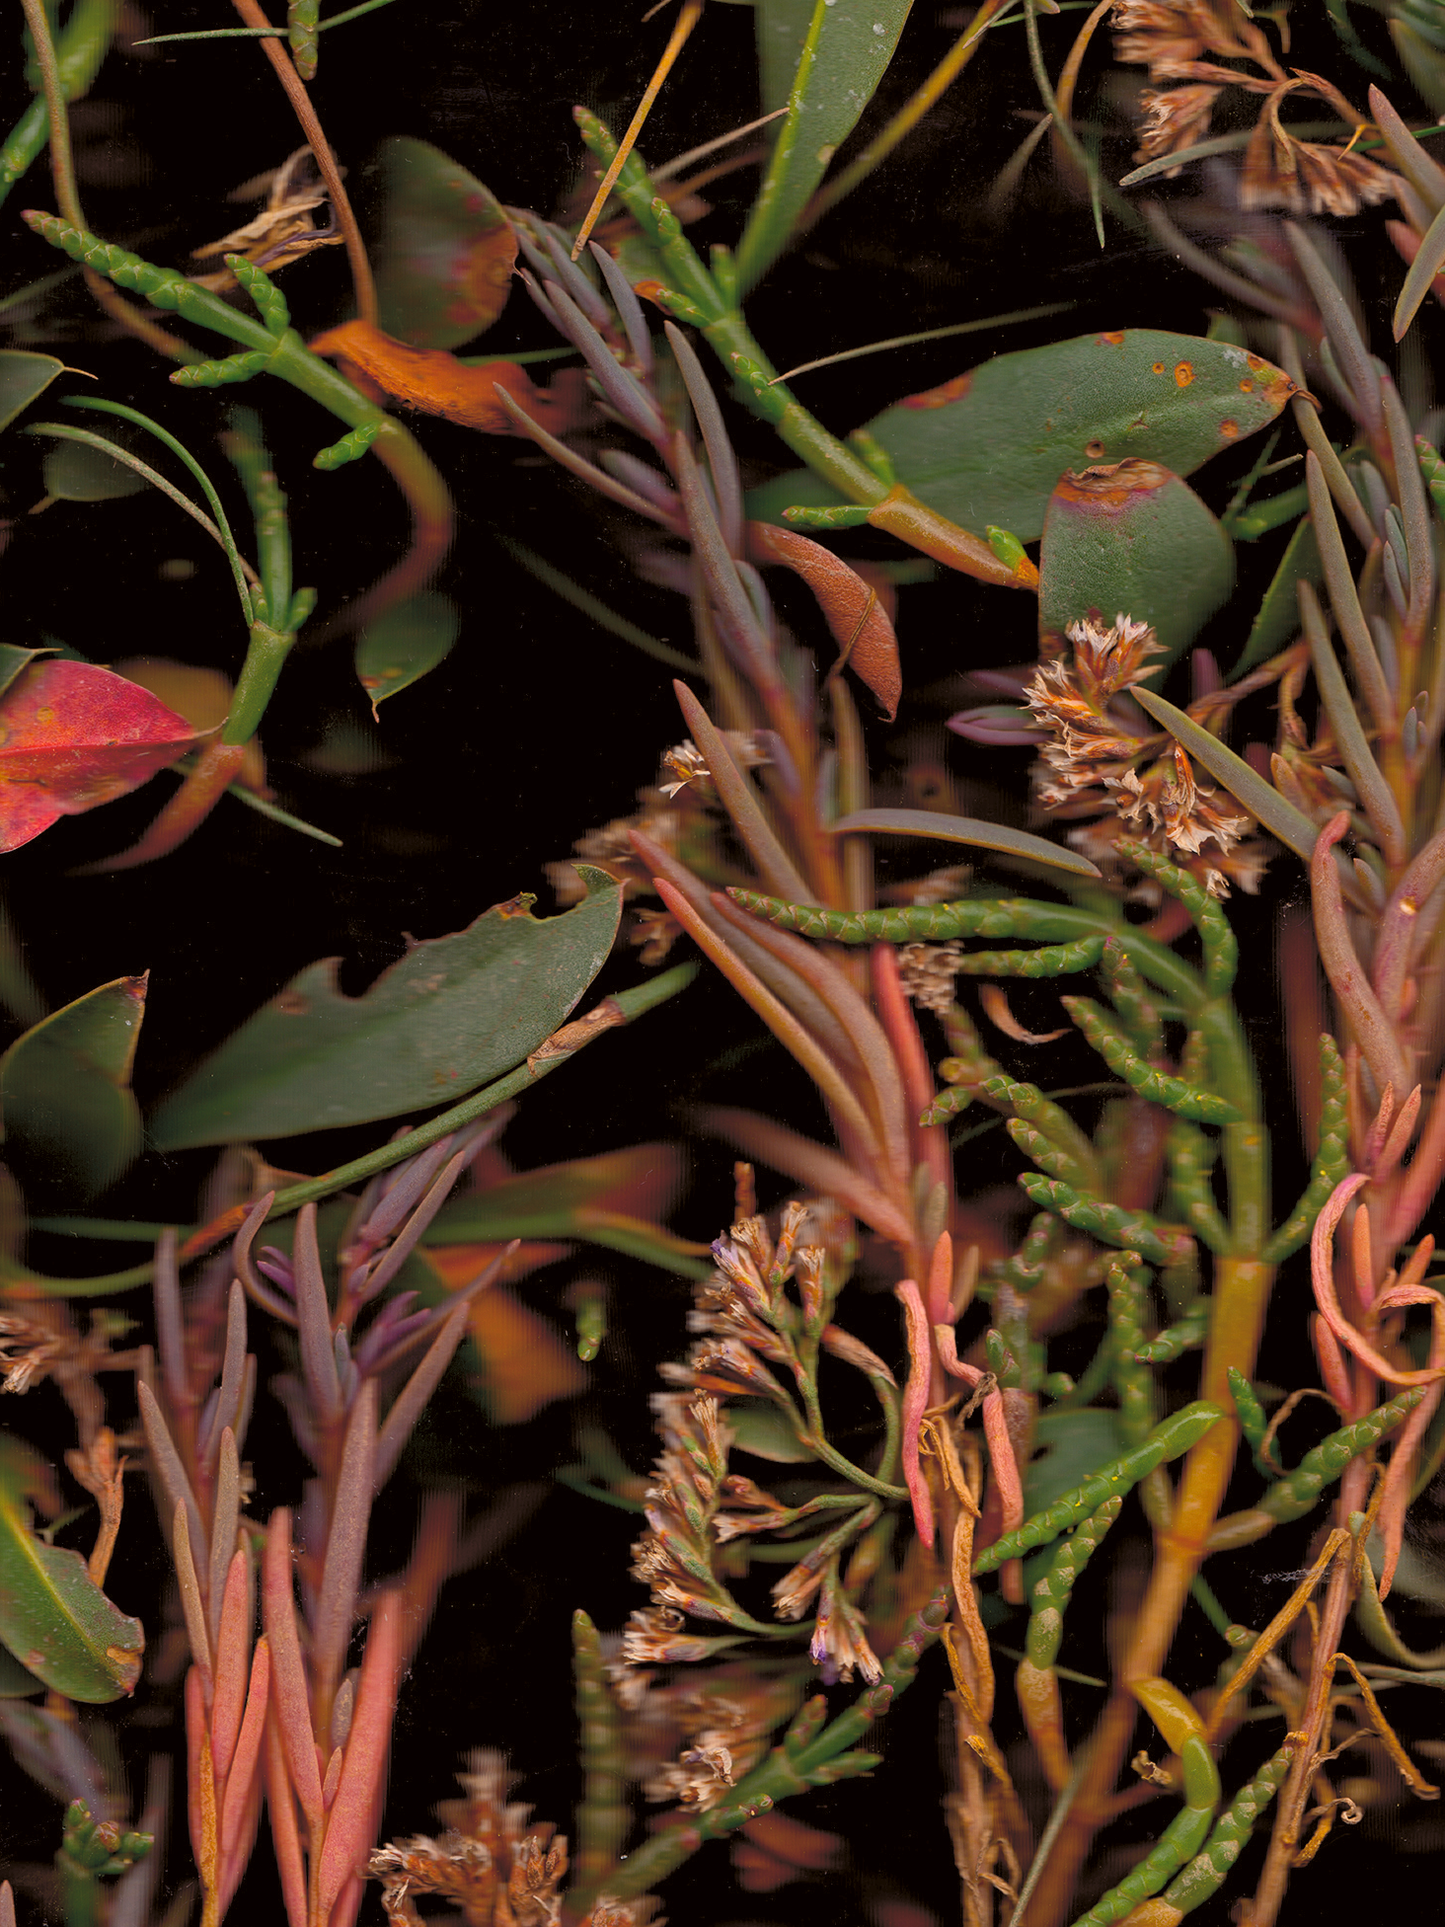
(989, 446)
(822, 62)
(72, 737)
(23, 378)
(1261, 799)
(65, 1096)
(53, 1617)
(1131, 536)
(405, 644)
(453, 1013)
(444, 259)
(965, 829)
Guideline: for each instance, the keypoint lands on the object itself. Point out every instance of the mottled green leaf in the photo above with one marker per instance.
(964, 829)
(65, 1097)
(453, 1013)
(23, 377)
(989, 446)
(404, 644)
(54, 1619)
(444, 257)
(1278, 619)
(1131, 538)
(822, 60)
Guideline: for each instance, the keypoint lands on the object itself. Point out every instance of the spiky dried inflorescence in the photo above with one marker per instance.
(1102, 763)
(1305, 176)
(498, 1866)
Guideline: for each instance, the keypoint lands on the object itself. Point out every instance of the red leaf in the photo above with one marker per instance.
(857, 618)
(73, 737)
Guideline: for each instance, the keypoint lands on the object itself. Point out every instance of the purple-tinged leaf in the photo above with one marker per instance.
(193, 1608)
(165, 1463)
(345, 1549)
(313, 1319)
(225, 1514)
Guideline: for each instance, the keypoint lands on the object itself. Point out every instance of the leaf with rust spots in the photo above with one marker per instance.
(454, 1013)
(445, 256)
(73, 737)
(989, 447)
(1130, 537)
(439, 384)
(859, 622)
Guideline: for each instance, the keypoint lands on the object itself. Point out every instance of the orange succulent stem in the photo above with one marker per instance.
(217, 768)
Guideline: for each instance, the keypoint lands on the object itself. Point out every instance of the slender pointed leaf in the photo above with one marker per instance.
(455, 1012)
(65, 1097)
(54, 1619)
(965, 829)
(822, 61)
(1277, 620)
(1261, 799)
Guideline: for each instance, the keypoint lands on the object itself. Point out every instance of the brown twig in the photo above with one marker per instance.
(362, 280)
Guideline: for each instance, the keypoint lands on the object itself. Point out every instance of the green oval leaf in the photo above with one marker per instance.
(444, 258)
(76, 472)
(54, 1619)
(1131, 538)
(405, 644)
(822, 61)
(454, 1013)
(965, 829)
(23, 377)
(65, 1098)
(989, 446)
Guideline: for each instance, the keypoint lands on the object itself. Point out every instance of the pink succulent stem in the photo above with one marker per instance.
(1334, 1369)
(233, 1652)
(1322, 1249)
(240, 1780)
(915, 1403)
(940, 1284)
(1422, 1177)
(895, 1013)
(1000, 1450)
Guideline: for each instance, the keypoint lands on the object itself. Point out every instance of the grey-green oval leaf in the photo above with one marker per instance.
(455, 1012)
(23, 377)
(54, 1619)
(965, 829)
(65, 1096)
(405, 644)
(77, 472)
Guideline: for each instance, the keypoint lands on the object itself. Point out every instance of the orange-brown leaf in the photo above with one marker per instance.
(857, 618)
(72, 737)
(437, 383)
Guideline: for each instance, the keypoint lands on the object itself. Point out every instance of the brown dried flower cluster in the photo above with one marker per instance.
(1184, 41)
(1101, 764)
(501, 1871)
